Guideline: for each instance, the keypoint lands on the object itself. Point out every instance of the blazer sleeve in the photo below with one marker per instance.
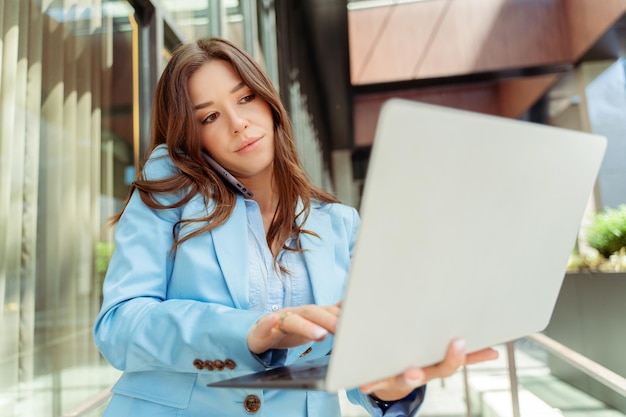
(138, 327)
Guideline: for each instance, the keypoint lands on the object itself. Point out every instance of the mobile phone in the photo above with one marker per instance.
(226, 175)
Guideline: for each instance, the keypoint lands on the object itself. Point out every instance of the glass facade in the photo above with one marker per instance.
(76, 81)
(67, 155)
(244, 23)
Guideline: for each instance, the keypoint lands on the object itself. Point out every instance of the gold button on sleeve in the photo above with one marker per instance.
(252, 404)
(208, 365)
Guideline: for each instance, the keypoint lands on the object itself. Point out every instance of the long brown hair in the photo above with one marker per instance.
(174, 124)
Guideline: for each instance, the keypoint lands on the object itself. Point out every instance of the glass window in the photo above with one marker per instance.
(67, 154)
(193, 18)
(245, 23)
(196, 19)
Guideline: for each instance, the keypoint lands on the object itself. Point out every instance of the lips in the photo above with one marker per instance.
(248, 144)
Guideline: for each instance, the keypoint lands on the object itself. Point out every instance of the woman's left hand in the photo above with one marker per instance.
(399, 386)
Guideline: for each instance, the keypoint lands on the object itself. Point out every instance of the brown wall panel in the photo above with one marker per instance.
(487, 35)
(387, 43)
(589, 20)
(451, 37)
(364, 28)
(518, 95)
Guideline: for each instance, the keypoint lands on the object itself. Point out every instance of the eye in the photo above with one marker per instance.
(210, 118)
(247, 98)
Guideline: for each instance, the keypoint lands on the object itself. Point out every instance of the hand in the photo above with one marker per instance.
(398, 387)
(291, 327)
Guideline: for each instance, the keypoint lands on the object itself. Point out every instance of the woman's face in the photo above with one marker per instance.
(236, 125)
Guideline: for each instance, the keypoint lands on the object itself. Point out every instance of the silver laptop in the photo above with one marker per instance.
(468, 221)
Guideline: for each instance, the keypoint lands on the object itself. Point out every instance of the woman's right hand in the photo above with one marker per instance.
(292, 327)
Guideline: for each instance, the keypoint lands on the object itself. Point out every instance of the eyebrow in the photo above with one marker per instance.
(208, 103)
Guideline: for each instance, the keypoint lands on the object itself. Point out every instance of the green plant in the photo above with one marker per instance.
(607, 233)
(104, 251)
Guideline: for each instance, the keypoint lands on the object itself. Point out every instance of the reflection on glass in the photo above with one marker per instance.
(66, 147)
(201, 18)
(192, 17)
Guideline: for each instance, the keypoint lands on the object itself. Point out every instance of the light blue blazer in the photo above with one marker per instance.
(164, 314)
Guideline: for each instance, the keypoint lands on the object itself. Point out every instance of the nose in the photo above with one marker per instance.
(239, 122)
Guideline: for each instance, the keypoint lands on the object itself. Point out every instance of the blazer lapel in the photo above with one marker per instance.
(231, 247)
(319, 257)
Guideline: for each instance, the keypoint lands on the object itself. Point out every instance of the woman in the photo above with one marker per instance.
(206, 283)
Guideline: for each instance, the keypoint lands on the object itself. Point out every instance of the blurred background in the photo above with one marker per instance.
(76, 83)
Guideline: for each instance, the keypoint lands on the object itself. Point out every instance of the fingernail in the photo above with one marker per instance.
(415, 382)
(415, 379)
(459, 345)
(319, 333)
(367, 389)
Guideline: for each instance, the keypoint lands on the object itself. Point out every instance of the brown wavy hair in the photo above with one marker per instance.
(174, 124)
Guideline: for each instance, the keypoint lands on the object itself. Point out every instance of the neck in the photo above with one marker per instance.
(266, 197)
(267, 200)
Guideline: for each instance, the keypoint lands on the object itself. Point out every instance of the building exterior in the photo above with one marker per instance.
(546, 61)
(76, 80)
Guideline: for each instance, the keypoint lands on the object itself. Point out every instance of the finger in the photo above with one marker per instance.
(396, 387)
(455, 358)
(389, 389)
(482, 356)
(382, 385)
(334, 309)
(262, 335)
(266, 325)
(290, 322)
(322, 316)
(331, 320)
